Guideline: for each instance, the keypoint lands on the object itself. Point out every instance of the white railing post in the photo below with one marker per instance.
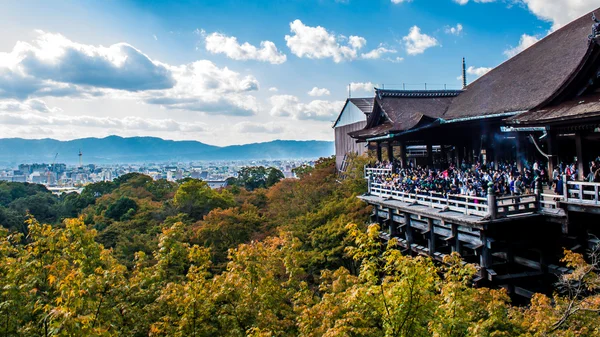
(492, 207)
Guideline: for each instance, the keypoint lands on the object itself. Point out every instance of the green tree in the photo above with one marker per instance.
(197, 199)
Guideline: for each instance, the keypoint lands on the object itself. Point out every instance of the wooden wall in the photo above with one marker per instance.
(345, 144)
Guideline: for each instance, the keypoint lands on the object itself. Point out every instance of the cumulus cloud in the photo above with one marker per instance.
(525, 42)
(478, 72)
(251, 127)
(53, 65)
(362, 86)
(456, 30)
(52, 58)
(560, 12)
(290, 106)
(217, 43)
(319, 92)
(273, 89)
(126, 123)
(318, 43)
(416, 42)
(204, 87)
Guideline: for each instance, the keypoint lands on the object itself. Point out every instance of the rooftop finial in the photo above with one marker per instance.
(595, 36)
(464, 73)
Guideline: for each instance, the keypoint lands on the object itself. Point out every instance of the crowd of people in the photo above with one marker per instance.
(474, 180)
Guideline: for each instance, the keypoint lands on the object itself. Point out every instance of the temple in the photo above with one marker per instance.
(537, 112)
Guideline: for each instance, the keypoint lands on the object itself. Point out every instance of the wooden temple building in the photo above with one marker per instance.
(543, 104)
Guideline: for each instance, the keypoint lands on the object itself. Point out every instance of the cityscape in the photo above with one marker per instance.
(60, 177)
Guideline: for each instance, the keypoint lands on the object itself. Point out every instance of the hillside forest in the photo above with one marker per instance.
(265, 256)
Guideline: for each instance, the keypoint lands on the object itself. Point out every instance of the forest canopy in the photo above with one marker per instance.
(290, 257)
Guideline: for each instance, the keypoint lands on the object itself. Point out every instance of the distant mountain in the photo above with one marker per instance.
(115, 149)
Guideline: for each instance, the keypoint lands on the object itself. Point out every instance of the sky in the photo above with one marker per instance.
(235, 72)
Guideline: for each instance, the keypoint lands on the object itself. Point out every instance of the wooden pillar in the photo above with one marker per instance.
(444, 156)
(460, 151)
(469, 154)
(456, 246)
(580, 162)
(485, 260)
(379, 152)
(408, 231)
(552, 160)
(431, 239)
(390, 152)
(429, 155)
(393, 227)
(496, 150)
(403, 155)
(377, 214)
(519, 152)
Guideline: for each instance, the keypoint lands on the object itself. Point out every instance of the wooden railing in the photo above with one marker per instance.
(516, 205)
(503, 206)
(370, 171)
(550, 201)
(582, 192)
(461, 203)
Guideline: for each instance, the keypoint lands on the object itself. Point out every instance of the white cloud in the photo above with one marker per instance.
(30, 106)
(560, 12)
(400, 1)
(464, 2)
(362, 86)
(290, 106)
(318, 43)
(478, 72)
(416, 42)
(456, 30)
(54, 66)
(129, 123)
(251, 127)
(525, 42)
(52, 59)
(273, 89)
(377, 53)
(319, 92)
(217, 43)
(398, 59)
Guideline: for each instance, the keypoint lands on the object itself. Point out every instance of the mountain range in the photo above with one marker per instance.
(115, 149)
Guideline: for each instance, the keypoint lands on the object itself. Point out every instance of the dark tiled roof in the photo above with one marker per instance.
(582, 107)
(528, 79)
(364, 104)
(404, 110)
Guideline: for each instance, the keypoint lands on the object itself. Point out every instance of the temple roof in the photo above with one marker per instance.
(364, 104)
(530, 78)
(402, 110)
(581, 107)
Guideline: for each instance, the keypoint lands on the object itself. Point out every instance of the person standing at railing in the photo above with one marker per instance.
(559, 186)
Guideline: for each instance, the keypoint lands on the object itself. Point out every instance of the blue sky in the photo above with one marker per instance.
(232, 72)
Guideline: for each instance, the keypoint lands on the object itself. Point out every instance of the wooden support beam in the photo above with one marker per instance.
(456, 246)
(403, 155)
(553, 160)
(519, 151)
(580, 159)
(431, 239)
(379, 152)
(390, 152)
(408, 230)
(429, 155)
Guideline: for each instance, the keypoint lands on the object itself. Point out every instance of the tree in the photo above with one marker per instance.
(197, 199)
(122, 208)
(273, 177)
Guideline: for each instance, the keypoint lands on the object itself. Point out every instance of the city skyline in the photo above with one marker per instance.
(241, 72)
